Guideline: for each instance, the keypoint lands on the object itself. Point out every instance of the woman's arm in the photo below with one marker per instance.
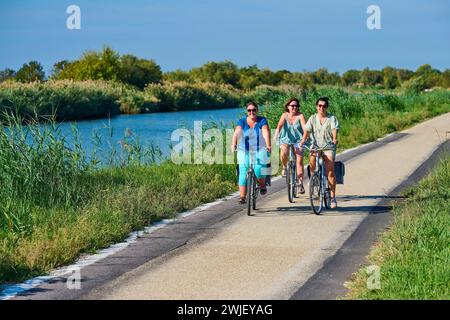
(335, 129)
(303, 122)
(266, 136)
(334, 132)
(237, 133)
(280, 125)
(306, 130)
(305, 137)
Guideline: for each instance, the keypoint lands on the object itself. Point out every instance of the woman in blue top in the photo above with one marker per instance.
(290, 130)
(251, 134)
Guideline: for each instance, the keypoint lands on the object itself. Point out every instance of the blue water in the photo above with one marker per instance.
(151, 129)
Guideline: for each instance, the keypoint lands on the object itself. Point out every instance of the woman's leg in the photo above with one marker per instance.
(284, 156)
(243, 161)
(329, 168)
(299, 164)
(312, 162)
(262, 160)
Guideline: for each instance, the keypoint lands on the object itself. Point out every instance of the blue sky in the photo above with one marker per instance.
(295, 35)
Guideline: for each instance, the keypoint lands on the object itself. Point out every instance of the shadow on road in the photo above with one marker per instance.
(303, 207)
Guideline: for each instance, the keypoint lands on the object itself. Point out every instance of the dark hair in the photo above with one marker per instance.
(286, 109)
(324, 99)
(251, 103)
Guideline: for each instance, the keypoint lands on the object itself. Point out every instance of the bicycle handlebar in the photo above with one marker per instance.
(316, 149)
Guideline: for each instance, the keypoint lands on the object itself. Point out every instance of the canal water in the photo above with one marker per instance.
(153, 129)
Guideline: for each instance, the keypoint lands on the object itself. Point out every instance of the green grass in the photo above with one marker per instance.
(56, 204)
(363, 117)
(414, 254)
(109, 204)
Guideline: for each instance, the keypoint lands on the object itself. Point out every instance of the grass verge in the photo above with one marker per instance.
(414, 254)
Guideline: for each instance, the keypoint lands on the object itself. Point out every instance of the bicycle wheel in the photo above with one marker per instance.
(294, 179)
(290, 182)
(249, 190)
(254, 193)
(327, 197)
(315, 191)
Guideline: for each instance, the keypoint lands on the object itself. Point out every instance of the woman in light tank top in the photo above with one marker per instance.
(290, 130)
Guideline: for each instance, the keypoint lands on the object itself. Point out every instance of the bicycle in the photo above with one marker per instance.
(319, 189)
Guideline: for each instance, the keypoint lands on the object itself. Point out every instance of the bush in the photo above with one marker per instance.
(66, 100)
(191, 96)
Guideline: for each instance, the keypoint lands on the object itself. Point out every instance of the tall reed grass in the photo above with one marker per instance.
(363, 117)
(75, 100)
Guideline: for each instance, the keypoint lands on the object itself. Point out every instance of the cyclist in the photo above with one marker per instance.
(252, 134)
(290, 130)
(323, 128)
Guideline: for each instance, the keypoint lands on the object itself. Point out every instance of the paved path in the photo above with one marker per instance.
(266, 256)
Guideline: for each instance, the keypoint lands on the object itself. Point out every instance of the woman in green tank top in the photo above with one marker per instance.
(290, 131)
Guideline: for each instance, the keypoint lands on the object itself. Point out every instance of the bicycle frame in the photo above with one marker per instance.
(320, 168)
(291, 174)
(320, 172)
(252, 185)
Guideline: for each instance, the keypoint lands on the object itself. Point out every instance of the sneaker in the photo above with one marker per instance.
(242, 200)
(301, 188)
(283, 172)
(333, 203)
(263, 191)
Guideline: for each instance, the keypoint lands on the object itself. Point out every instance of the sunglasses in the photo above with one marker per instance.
(293, 105)
(322, 105)
(251, 110)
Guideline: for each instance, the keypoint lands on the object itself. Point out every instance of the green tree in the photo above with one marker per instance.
(431, 77)
(297, 78)
(7, 74)
(58, 67)
(225, 72)
(32, 71)
(390, 79)
(323, 76)
(270, 78)
(350, 77)
(139, 72)
(404, 75)
(249, 77)
(416, 84)
(445, 79)
(177, 76)
(371, 77)
(93, 66)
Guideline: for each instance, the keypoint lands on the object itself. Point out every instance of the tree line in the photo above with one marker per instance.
(109, 65)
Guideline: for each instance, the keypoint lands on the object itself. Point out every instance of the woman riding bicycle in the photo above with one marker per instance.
(252, 134)
(290, 131)
(323, 128)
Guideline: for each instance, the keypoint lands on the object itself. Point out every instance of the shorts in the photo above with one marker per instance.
(298, 150)
(261, 166)
(329, 153)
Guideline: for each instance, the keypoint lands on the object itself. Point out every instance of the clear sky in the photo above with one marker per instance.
(296, 35)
